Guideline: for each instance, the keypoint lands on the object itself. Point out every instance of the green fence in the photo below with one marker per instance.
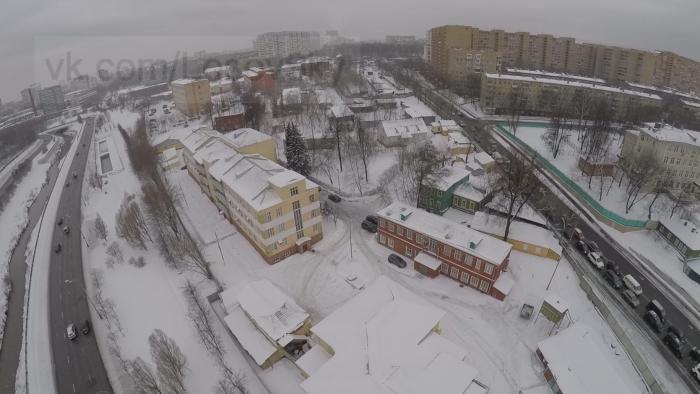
(568, 182)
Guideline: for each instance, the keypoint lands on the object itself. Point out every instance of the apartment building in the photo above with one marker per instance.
(400, 39)
(537, 91)
(191, 96)
(52, 100)
(676, 150)
(286, 43)
(277, 210)
(445, 45)
(442, 246)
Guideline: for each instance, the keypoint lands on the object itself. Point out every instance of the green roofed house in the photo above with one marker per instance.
(436, 193)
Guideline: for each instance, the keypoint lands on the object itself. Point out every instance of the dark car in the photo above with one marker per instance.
(582, 247)
(631, 298)
(695, 354)
(58, 248)
(60, 221)
(656, 306)
(334, 198)
(653, 321)
(674, 343)
(85, 329)
(67, 184)
(397, 260)
(592, 246)
(66, 230)
(373, 219)
(613, 279)
(612, 266)
(369, 226)
(75, 174)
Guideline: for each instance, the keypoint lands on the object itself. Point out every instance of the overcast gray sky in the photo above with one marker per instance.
(31, 29)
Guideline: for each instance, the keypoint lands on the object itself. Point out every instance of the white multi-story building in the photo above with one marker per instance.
(286, 43)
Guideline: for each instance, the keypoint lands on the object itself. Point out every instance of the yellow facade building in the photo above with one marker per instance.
(191, 96)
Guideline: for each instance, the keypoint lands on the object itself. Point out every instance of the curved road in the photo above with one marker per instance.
(77, 364)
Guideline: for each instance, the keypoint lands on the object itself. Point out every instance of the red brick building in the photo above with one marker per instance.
(228, 121)
(465, 255)
(261, 80)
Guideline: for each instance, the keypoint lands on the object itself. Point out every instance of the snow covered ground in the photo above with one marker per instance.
(499, 342)
(14, 218)
(145, 298)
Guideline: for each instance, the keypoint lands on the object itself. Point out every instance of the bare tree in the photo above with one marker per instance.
(202, 320)
(232, 383)
(656, 192)
(161, 201)
(142, 375)
(366, 144)
(558, 130)
(100, 228)
(425, 166)
(517, 184)
(516, 105)
(171, 363)
(130, 223)
(681, 199)
(581, 105)
(643, 170)
(115, 251)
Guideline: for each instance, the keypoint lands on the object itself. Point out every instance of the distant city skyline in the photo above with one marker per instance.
(642, 24)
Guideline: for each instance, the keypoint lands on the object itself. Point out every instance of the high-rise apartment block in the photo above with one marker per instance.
(445, 47)
(286, 43)
(52, 99)
(191, 96)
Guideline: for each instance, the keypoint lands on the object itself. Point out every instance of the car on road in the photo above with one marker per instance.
(60, 221)
(593, 246)
(695, 354)
(71, 332)
(674, 342)
(632, 284)
(67, 184)
(75, 174)
(369, 226)
(373, 219)
(656, 306)
(653, 321)
(612, 278)
(596, 260)
(66, 230)
(612, 266)
(582, 247)
(85, 329)
(335, 198)
(58, 248)
(630, 297)
(397, 260)
(695, 371)
(574, 233)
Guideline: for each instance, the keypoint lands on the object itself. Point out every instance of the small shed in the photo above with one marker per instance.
(427, 265)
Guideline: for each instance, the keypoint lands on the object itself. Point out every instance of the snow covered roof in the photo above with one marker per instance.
(664, 90)
(519, 231)
(248, 335)
(579, 365)
(685, 230)
(504, 283)
(552, 74)
(383, 343)
(574, 83)
(691, 103)
(427, 260)
(241, 138)
(557, 302)
(182, 81)
(312, 360)
(445, 123)
(483, 159)
(444, 230)
(285, 178)
(449, 177)
(457, 138)
(291, 96)
(672, 134)
(220, 69)
(404, 128)
(468, 191)
(250, 74)
(341, 111)
(272, 311)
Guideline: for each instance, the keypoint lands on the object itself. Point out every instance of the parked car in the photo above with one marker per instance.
(85, 329)
(67, 184)
(695, 371)
(632, 284)
(631, 298)
(75, 174)
(60, 221)
(613, 279)
(582, 247)
(653, 321)
(397, 260)
(695, 354)
(574, 233)
(369, 226)
(612, 266)
(58, 248)
(656, 306)
(373, 219)
(596, 260)
(593, 247)
(335, 198)
(674, 343)
(66, 230)
(71, 332)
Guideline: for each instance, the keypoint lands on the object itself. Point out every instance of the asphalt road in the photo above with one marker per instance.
(77, 364)
(549, 202)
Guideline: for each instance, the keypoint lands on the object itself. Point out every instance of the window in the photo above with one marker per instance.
(317, 227)
(391, 227)
(269, 233)
(468, 260)
(391, 242)
(312, 197)
(280, 228)
(399, 230)
(409, 252)
(432, 245)
(382, 239)
(474, 281)
(454, 272)
(446, 250)
(464, 278)
(484, 286)
(444, 268)
(268, 216)
(294, 191)
(457, 255)
(477, 266)
(409, 234)
(488, 268)
(382, 223)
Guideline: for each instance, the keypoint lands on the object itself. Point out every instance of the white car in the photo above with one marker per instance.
(71, 332)
(596, 260)
(695, 371)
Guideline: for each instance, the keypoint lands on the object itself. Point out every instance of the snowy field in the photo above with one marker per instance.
(501, 344)
(14, 218)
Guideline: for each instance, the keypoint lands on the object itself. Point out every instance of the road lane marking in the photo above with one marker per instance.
(68, 359)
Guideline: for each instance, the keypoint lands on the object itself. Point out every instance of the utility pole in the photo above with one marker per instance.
(553, 273)
(219, 245)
